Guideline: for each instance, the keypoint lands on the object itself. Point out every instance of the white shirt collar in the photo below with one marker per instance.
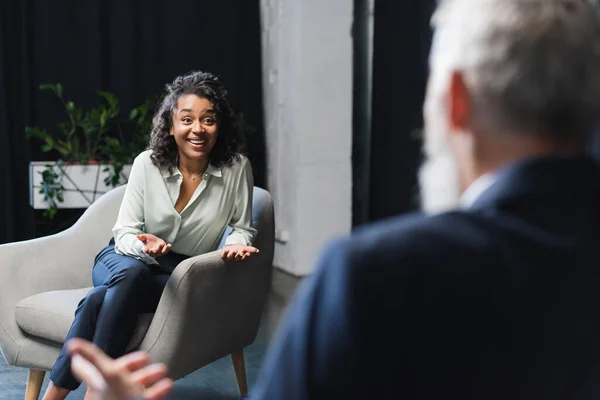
(211, 170)
(476, 189)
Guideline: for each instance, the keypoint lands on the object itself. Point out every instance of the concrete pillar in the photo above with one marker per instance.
(307, 75)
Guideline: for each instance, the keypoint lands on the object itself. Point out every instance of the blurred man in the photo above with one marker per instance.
(496, 295)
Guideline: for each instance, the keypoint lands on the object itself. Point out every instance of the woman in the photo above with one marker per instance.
(182, 194)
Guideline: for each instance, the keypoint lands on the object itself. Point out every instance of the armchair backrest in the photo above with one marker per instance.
(101, 215)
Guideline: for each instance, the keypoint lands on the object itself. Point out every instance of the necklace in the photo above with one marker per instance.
(192, 177)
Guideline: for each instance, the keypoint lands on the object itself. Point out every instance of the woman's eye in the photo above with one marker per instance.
(209, 121)
(187, 120)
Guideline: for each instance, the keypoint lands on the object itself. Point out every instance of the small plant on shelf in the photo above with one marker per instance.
(97, 135)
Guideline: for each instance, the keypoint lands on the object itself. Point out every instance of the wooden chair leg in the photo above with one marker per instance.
(34, 384)
(239, 366)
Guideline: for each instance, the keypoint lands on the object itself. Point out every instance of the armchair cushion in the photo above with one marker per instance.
(49, 316)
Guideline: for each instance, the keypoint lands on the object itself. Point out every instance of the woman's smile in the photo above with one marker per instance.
(197, 143)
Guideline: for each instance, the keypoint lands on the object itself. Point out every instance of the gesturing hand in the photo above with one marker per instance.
(126, 377)
(153, 245)
(237, 252)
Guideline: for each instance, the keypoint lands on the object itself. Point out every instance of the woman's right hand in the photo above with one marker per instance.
(153, 245)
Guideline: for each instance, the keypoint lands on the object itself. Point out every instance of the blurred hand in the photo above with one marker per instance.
(237, 252)
(120, 379)
(153, 245)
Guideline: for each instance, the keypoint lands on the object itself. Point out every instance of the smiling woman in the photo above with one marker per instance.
(195, 131)
(198, 94)
(182, 194)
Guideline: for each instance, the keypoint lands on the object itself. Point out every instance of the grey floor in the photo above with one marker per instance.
(214, 381)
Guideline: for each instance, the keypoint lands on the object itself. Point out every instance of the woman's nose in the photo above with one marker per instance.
(198, 128)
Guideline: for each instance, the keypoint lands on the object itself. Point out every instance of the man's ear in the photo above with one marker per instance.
(460, 103)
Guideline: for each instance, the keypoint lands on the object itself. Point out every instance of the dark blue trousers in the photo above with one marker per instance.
(124, 287)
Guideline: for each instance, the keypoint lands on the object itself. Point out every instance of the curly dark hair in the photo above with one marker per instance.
(230, 142)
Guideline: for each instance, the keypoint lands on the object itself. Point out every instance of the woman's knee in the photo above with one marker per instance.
(93, 300)
(136, 274)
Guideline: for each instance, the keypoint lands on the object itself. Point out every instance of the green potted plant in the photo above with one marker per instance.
(96, 147)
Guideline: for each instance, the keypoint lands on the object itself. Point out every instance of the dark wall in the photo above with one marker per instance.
(402, 38)
(132, 48)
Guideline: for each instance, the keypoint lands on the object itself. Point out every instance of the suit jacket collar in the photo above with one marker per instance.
(551, 180)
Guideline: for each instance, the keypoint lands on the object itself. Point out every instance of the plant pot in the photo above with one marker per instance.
(82, 184)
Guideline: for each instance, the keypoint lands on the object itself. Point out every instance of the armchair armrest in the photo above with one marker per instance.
(208, 309)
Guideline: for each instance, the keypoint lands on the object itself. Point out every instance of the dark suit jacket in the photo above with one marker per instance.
(501, 301)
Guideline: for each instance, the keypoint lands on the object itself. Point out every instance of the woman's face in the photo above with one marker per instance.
(194, 127)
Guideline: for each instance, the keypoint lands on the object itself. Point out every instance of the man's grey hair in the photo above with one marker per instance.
(531, 66)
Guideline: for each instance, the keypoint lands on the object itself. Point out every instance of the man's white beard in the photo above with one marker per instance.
(438, 180)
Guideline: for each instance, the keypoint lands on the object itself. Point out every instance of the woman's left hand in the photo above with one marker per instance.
(237, 252)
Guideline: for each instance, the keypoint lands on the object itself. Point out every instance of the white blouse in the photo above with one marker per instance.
(224, 197)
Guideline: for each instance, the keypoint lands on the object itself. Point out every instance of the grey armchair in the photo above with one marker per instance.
(208, 310)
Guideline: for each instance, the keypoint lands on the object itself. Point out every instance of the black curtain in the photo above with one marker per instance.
(131, 48)
(402, 38)
(16, 217)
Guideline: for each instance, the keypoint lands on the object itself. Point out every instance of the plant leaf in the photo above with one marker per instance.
(65, 128)
(64, 148)
(103, 117)
(48, 86)
(59, 90)
(110, 98)
(94, 116)
(34, 131)
(77, 114)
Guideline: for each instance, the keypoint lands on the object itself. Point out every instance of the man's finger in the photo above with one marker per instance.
(160, 390)
(251, 249)
(85, 371)
(166, 249)
(149, 374)
(132, 361)
(90, 352)
(142, 237)
(105, 364)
